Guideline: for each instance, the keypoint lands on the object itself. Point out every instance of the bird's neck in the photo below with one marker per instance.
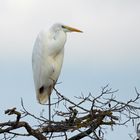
(58, 40)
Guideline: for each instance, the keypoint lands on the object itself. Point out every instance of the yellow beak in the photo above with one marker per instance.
(73, 29)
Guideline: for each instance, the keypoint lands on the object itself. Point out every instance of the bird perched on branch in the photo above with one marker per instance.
(47, 59)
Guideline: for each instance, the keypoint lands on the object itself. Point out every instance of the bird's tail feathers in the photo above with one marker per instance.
(43, 94)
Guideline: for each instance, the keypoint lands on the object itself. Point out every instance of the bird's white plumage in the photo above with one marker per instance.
(47, 59)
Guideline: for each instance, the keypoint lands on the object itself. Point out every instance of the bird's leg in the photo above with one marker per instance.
(51, 87)
(49, 109)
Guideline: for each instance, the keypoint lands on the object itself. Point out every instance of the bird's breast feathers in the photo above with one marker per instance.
(47, 60)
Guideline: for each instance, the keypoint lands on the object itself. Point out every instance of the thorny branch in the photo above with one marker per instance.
(88, 117)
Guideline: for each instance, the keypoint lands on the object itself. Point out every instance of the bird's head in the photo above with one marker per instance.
(64, 28)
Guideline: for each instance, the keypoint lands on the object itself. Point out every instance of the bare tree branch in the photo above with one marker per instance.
(103, 111)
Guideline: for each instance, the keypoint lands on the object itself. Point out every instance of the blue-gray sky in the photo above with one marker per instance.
(107, 52)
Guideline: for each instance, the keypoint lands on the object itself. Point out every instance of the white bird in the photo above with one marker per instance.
(47, 59)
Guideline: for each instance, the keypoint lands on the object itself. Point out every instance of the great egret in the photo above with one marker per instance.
(47, 59)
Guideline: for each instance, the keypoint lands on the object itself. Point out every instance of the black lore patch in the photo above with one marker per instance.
(41, 89)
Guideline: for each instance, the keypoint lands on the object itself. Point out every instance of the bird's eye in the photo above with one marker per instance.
(63, 26)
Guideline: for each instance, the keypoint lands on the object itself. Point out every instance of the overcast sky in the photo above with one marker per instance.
(107, 52)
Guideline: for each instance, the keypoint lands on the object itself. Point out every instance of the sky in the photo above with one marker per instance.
(106, 53)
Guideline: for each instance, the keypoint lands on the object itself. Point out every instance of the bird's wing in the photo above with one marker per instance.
(42, 67)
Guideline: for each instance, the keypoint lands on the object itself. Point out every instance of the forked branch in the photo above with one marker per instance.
(87, 117)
